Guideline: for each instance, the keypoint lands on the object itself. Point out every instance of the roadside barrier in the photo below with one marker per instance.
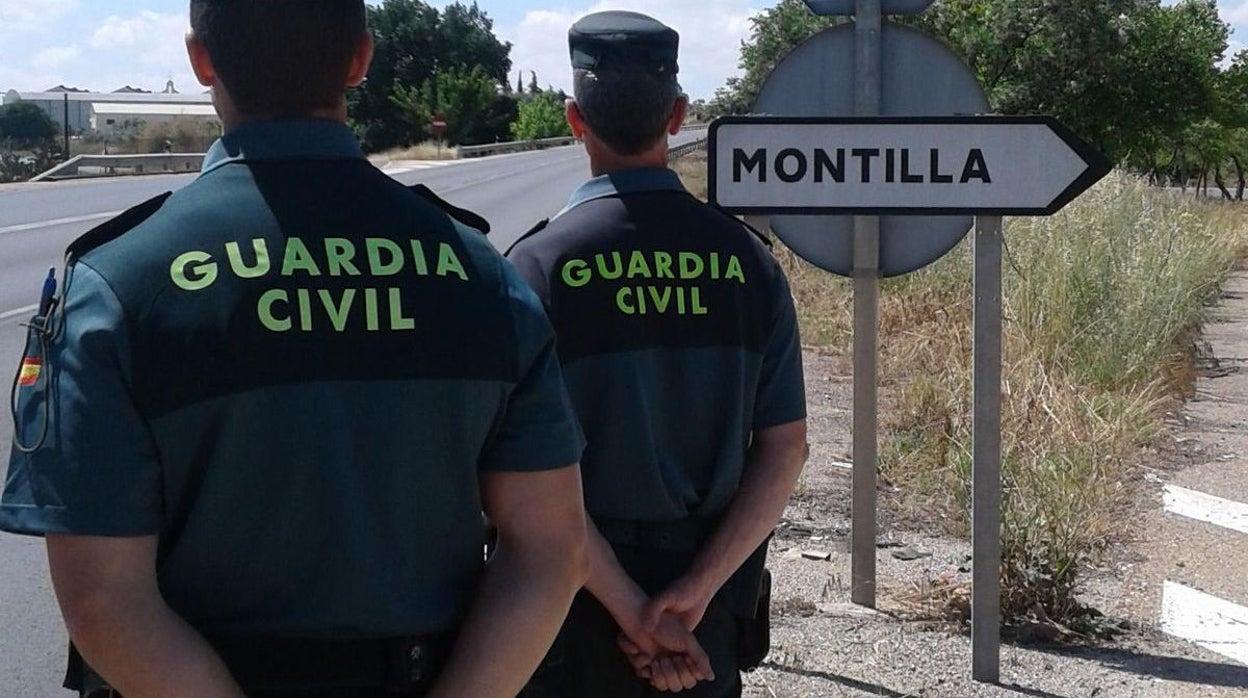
(114, 165)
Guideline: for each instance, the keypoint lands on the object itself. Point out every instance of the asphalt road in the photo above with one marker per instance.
(38, 221)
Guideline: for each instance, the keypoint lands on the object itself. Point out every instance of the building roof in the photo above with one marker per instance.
(141, 109)
(112, 97)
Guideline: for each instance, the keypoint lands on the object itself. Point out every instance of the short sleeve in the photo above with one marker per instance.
(97, 472)
(781, 397)
(538, 430)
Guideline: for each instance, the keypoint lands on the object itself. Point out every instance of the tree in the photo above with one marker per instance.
(1124, 74)
(1232, 112)
(541, 116)
(28, 142)
(466, 98)
(533, 88)
(26, 126)
(414, 40)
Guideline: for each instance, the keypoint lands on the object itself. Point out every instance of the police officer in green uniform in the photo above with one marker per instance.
(261, 426)
(679, 343)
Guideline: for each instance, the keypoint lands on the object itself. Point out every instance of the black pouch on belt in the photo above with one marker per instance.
(754, 629)
(754, 634)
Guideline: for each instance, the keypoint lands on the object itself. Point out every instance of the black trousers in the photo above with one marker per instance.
(586, 662)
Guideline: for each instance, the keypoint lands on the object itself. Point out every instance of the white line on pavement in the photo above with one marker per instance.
(1206, 507)
(28, 310)
(1212, 623)
(59, 221)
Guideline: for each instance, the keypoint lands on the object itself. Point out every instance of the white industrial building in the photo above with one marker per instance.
(109, 117)
(95, 110)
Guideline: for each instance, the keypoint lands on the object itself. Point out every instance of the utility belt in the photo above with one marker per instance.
(392, 666)
(747, 592)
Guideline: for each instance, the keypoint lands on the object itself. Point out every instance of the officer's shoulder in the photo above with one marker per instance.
(116, 227)
(461, 215)
(525, 239)
(729, 219)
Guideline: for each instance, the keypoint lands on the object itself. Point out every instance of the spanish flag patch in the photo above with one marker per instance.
(28, 376)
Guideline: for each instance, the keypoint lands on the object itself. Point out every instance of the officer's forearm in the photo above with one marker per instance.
(537, 568)
(520, 606)
(122, 627)
(612, 586)
(772, 467)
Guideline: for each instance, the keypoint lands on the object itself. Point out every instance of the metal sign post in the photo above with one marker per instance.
(986, 455)
(926, 172)
(438, 128)
(866, 274)
(888, 7)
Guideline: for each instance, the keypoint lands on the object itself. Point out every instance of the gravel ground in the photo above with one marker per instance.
(824, 646)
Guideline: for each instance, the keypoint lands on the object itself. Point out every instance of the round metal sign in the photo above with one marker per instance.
(848, 7)
(921, 77)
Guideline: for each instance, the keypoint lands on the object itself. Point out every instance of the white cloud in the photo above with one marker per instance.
(55, 57)
(152, 39)
(710, 40)
(32, 15)
(1235, 12)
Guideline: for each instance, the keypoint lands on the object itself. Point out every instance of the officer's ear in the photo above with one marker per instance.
(201, 62)
(575, 119)
(360, 62)
(679, 113)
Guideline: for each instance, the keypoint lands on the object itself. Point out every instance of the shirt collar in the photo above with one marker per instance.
(305, 139)
(625, 182)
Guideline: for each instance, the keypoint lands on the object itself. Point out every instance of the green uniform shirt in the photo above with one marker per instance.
(292, 371)
(678, 340)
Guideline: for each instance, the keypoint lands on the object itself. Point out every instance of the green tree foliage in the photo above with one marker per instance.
(25, 126)
(469, 100)
(1232, 113)
(414, 41)
(541, 116)
(28, 142)
(1125, 74)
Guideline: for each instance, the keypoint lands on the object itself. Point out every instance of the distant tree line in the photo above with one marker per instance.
(1145, 83)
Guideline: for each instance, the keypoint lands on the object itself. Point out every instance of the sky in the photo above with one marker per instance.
(103, 45)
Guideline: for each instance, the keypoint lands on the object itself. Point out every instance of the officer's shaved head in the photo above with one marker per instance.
(280, 58)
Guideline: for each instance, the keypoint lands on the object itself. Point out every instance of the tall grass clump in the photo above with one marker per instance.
(1103, 304)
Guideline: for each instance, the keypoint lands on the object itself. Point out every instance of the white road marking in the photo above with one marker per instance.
(1206, 507)
(59, 221)
(28, 310)
(1215, 624)
(398, 167)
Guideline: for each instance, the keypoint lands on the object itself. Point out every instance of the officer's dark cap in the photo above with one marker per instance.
(623, 42)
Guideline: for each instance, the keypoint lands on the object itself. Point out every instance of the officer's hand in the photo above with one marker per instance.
(684, 599)
(672, 673)
(670, 658)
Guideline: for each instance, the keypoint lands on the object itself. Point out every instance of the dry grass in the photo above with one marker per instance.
(420, 151)
(1103, 306)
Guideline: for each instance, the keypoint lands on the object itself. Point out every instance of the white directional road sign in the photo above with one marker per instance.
(985, 165)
